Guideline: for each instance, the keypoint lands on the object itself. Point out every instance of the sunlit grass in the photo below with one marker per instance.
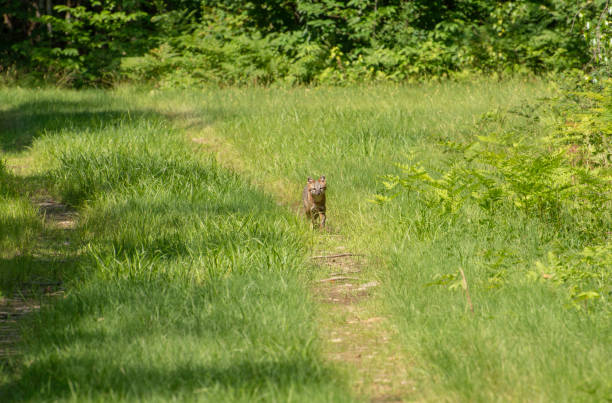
(188, 282)
(524, 342)
(186, 265)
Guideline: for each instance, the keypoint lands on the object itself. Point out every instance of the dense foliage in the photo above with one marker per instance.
(563, 179)
(300, 41)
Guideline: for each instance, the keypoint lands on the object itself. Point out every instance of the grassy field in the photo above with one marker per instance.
(188, 281)
(183, 281)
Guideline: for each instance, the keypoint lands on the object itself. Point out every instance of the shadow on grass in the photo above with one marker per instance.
(21, 125)
(244, 377)
(32, 251)
(31, 272)
(104, 340)
(177, 229)
(65, 344)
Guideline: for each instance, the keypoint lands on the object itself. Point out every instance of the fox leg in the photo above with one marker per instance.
(322, 215)
(315, 218)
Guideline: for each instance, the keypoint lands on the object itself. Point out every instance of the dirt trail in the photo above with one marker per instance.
(29, 296)
(355, 338)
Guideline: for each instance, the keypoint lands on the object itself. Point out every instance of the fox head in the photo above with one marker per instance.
(316, 188)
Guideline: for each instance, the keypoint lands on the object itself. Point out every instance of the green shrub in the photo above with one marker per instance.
(587, 128)
(563, 179)
(188, 43)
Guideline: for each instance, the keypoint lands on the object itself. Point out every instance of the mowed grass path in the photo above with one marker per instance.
(183, 281)
(160, 225)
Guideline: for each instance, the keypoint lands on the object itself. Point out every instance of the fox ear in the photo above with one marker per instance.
(310, 180)
(322, 178)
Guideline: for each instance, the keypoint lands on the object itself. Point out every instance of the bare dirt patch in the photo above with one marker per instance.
(28, 297)
(56, 214)
(355, 337)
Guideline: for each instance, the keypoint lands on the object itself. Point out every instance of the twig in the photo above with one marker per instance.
(346, 271)
(598, 31)
(467, 291)
(574, 17)
(338, 278)
(336, 255)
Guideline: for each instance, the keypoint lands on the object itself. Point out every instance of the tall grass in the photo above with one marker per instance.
(189, 270)
(524, 342)
(18, 221)
(188, 282)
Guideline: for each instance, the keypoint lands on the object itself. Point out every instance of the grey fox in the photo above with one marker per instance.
(314, 200)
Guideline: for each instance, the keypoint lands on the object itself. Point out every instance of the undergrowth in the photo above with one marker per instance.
(563, 179)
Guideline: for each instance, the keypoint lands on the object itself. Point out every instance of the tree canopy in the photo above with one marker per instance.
(298, 41)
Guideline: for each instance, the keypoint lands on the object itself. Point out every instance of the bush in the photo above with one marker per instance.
(563, 179)
(299, 41)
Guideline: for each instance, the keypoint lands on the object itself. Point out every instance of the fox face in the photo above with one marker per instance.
(317, 188)
(314, 200)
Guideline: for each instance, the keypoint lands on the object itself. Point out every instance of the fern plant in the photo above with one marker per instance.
(537, 176)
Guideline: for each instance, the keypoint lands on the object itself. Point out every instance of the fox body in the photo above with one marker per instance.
(314, 200)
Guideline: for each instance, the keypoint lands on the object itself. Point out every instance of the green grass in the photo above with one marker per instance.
(190, 283)
(523, 342)
(18, 219)
(184, 282)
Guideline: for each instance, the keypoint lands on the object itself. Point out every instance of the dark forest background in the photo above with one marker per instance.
(188, 42)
